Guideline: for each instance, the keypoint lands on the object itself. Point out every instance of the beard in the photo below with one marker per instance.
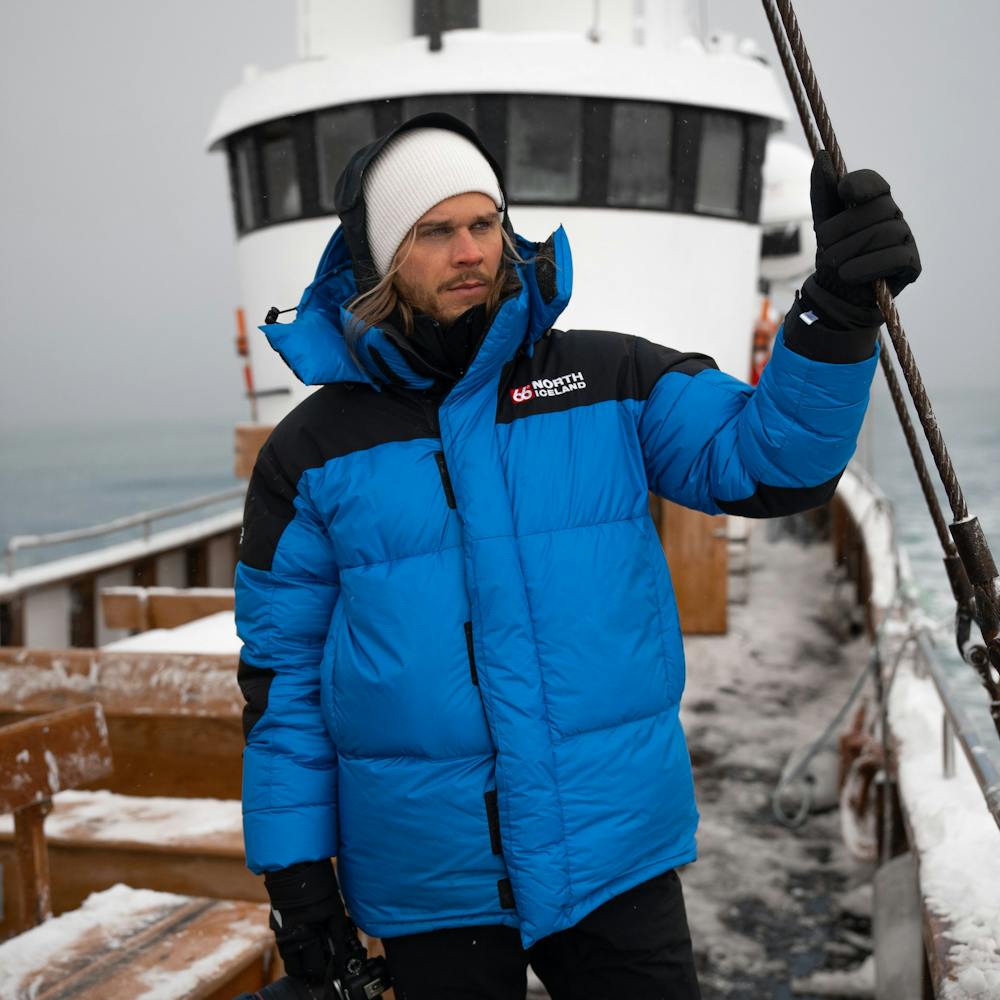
(442, 303)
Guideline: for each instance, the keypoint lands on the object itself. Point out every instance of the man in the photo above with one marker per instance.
(462, 659)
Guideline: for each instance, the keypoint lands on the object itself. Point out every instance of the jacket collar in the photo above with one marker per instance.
(319, 346)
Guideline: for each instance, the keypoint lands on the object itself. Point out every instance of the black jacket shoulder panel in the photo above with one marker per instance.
(334, 421)
(580, 367)
(342, 418)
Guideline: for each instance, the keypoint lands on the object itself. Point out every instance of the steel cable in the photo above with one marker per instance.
(971, 570)
(911, 373)
(815, 145)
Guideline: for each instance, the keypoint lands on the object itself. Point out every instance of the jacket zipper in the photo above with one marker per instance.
(449, 493)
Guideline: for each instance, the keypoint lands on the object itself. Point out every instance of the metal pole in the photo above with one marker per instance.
(947, 746)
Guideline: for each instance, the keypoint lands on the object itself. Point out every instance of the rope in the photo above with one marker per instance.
(906, 360)
(815, 145)
(961, 588)
(969, 564)
(795, 769)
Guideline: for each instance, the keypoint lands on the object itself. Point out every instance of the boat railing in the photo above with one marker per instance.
(957, 727)
(871, 522)
(144, 520)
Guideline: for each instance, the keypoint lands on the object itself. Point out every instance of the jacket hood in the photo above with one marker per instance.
(319, 346)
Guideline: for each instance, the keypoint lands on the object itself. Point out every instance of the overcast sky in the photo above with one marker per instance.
(117, 272)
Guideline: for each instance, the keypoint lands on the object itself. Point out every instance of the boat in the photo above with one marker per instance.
(666, 157)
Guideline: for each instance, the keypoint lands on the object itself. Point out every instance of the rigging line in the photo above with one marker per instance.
(907, 362)
(969, 564)
(815, 145)
(960, 586)
(971, 544)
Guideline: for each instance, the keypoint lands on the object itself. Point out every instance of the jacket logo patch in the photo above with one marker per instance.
(549, 387)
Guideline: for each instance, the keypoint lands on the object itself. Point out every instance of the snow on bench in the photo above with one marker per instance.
(214, 633)
(122, 942)
(142, 945)
(96, 839)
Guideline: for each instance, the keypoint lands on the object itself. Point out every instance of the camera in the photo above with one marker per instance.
(364, 980)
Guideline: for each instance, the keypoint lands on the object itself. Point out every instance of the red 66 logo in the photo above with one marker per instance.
(523, 394)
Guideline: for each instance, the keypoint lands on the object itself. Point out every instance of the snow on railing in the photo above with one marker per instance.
(956, 727)
(891, 573)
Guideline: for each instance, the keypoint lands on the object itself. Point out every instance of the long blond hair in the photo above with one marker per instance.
(369, 308)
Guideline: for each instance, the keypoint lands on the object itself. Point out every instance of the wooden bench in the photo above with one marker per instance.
(37, 759)
(144, 608)
(174, 719)
(174, 727)
(122, 942)
(128, 943)
(97, 839)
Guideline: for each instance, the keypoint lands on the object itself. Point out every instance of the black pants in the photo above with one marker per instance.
(635, 947)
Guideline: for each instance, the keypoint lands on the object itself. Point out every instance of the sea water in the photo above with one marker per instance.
(56, 478)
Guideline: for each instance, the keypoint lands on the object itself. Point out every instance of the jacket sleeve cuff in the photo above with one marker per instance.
(823, 327)
(304, 893)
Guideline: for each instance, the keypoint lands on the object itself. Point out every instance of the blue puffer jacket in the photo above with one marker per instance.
(462, 657)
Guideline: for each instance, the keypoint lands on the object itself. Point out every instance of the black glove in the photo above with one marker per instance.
(312, 929)
(861, 234)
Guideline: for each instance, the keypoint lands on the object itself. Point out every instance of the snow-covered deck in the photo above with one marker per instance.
(780, 912)
(774, 912)
(96, 839)
(771, 909)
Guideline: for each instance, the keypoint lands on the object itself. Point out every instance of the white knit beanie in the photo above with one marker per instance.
(415, 171)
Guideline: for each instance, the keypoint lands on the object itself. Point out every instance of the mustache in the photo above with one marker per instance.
(466, 277)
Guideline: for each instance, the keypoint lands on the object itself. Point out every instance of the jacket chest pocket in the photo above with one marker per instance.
(573, 468)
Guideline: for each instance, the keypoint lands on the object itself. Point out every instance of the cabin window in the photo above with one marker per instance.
(640, 155)
(544, 137)
(339, 134)
(780, 242)
(641, 141)
(462, 107)
(720, 165)
(244, 176)
(282, 196)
